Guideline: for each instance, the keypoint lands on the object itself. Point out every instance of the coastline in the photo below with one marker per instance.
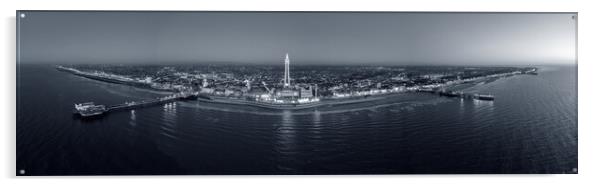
(291, 106)
(326, 102)
(236, 101)
(114, 81)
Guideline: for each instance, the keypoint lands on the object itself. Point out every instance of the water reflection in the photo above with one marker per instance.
(462, 103)
(483, 109)
(317, 125)
(132, 130)
(483, 104)
(285, 141)
(169, 120)
(133, 118)
(286, 131)
(317, 118)
(170, 113)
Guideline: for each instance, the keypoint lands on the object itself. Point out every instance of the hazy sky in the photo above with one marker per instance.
(308, 37)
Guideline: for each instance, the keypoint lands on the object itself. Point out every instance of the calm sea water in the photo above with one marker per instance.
(530, 128)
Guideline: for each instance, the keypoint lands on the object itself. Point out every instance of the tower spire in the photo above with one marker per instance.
(287, 76)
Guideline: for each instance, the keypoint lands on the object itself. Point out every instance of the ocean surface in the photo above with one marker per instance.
(531, 127)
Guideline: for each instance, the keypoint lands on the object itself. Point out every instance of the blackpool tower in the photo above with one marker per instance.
(287, 76)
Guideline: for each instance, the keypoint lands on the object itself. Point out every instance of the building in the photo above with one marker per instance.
(306, 93)
(207, 90)
(228, 92)
(287, 92)
(205, 83)
(248, 84)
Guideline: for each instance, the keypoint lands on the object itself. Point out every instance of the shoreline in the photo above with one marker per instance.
(292, 106)
(327, 102)
(114, 81)
(233, 101)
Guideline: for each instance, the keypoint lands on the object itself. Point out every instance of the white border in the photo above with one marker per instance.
(589, 93)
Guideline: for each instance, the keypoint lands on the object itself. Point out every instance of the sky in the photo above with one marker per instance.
(80, 37)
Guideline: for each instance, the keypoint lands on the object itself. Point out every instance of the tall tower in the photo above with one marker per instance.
(287, 76)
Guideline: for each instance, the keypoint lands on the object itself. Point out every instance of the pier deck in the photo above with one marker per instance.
(486, 97)
(140, 104)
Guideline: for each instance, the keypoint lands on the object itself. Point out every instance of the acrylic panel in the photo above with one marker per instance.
(247, 93)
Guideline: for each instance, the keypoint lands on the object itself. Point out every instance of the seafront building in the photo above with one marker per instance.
(285, 93)
(292, 93)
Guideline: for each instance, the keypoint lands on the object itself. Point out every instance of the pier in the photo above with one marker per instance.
(89, 109)
(486, 97)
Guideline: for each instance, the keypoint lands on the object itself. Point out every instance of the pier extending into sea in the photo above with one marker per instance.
(89, 109)
(486, 97)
